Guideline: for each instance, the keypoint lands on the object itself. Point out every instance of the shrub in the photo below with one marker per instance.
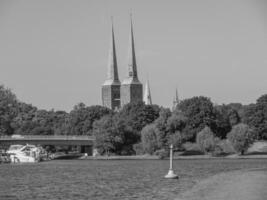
(162, 153)
(189, 146)
(149, 139)
(191, 149)
(241, 137)
(176, 140)
(138, 148)
(206, 140)
(222, 147)
(226, 146)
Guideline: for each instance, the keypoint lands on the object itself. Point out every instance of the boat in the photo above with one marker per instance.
(26, 153)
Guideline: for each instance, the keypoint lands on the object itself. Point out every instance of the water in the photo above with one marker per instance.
(110, 179)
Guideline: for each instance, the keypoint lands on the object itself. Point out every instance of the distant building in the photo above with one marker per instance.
(147, 94)
(176, 101)
(114, 93)
(131, 87)
(111, 87)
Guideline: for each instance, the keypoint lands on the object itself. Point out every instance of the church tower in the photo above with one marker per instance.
(131, 87)
(147, 95)
(176, 101)
(111, 87)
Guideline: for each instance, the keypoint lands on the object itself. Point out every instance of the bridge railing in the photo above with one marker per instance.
(46, 137)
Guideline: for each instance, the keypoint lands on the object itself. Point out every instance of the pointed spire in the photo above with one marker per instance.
(176, 100)
(112, 75)
(147, 95)
(176, 96)
(132, 68)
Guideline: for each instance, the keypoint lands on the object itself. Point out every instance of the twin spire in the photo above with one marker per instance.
(112, 75)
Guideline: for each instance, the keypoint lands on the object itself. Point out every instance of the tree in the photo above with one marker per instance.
(149, 139)
(22, 123)
(81, 118)
(255, 115)
(200, 113)
(241, 137)
(226, 117)
(176, 122)
(133, 118)
(137, 115)
(109, 138)
(8, 110)
(161, 128)
(206, 140)
(175, 139)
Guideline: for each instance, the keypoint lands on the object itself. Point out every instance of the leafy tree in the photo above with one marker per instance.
(109, 138)
(162, 131)
(200, 113)
(226, 117)
(81, 118)
(176, 122)
(241, 137)
(255, 115)
(8, 110)
(133, 118)
(234, 117)
(238, 107)
(206, 140)
(175, 139)
(137, 115)
(22, 123)
(60, 123)
(149, 139)
(222, 124)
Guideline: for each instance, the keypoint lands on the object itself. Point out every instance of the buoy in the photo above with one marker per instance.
(171, 174)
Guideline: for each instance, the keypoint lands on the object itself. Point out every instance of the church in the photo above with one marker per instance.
(116, 94)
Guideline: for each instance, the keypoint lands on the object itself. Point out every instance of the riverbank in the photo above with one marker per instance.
(152, 157)
(236, 185)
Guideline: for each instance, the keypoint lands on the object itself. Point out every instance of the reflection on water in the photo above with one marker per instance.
(95, 179)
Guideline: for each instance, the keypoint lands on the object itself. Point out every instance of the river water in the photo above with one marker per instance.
(109, 179)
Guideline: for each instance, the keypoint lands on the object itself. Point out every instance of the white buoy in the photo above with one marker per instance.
(171, 173)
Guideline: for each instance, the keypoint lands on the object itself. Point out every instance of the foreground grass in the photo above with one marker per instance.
(242, 184)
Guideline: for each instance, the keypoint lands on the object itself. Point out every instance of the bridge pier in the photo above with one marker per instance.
(86, 149)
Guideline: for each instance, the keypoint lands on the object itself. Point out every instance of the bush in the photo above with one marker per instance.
(162, 153)
(226, 146)
(241, 137)
(189, 146)
(176, 140)
(191, 149)
(222, 148)
(138, 148)
(149, 139)
(206, 140)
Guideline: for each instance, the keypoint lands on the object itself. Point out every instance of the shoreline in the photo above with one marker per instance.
(193, 157)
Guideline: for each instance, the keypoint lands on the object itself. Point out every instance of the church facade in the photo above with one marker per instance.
(114, 93)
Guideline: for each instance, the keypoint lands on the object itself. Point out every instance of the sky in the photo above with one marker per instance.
(54, 53)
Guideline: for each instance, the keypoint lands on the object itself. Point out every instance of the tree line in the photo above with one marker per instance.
(138, 128)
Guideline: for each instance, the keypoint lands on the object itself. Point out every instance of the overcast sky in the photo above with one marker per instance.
(54, 53)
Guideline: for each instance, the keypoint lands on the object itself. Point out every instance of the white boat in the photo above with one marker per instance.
(25, 153)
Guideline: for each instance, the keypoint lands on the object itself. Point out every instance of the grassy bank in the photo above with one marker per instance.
(241, 184)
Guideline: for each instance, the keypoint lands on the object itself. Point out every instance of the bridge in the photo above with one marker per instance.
(84, 142)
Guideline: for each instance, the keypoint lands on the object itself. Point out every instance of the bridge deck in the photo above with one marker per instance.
(48, 139)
